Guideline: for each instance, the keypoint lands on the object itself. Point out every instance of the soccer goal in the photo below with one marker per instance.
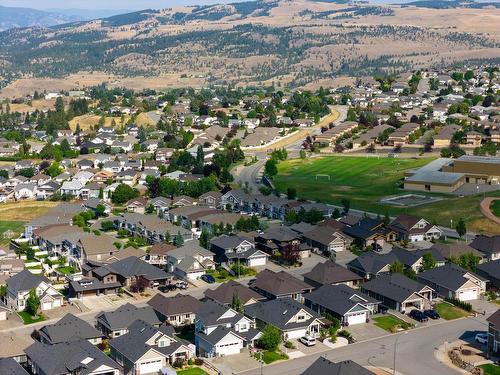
(323, 176)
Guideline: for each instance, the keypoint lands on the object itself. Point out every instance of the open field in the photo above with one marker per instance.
(364, 180)
(24, 210)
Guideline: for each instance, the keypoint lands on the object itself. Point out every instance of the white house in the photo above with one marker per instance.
(72, 187)
(20, 285)
(25, 191)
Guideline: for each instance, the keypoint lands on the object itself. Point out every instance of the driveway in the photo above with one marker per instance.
(366, 331)
(483, 306)
(304, 349)
(233, 364)
(103, 303)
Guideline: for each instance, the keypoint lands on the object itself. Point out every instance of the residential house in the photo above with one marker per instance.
(237, 250)
(326, 240)
(145, 349)
(331, 273)
(25, 191)
(158, 254)
(491, 272)
(105, 284)
(226, 292)
(69, 358)
(348, 305)
(11, 367)
(292, 318)
(276, 285)
(370, 232)
(20, 285)
(89, 247)
(221, 330)
(137, 205)
(275, 240)
(413, 229)
(494, 333)
(323, 366)
(160, 205)
(69, 328)
(115, 323)
(452, 281)
(210, 199)
(179, 310)
(399, 292)
(489, 246)
(190, 261)
(72, 188)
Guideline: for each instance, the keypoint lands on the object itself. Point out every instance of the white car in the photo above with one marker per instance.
(482, 338)
(308, 340)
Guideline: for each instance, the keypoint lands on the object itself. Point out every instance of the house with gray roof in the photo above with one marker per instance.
(115, 323)
(20, 285)
(349, 306)
(275, 285)
(331, 273)
(132, 269)
(9, 366)
(68, 358)
(398, 292)
(488, 245)
(190, 261)
(452, 281)
(226, 292)
(237, 250)
(69, 328)
(294, 319)
(323, 366)
(221, 330)
(491, 272)
(145, 349)
(178, 310)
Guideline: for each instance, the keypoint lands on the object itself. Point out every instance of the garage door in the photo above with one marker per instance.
(46, 305)
(356, 318)
(228, 349)
(150, 367)
(296, 334)
(468, 295)
(259, 261)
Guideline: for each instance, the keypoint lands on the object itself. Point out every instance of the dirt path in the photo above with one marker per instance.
(484, 206)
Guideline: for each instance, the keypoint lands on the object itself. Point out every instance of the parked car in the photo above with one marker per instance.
(208, 279)
(432, 314)
(181, 284)
(418, 316)
(308, 340)
(167, 288)
(482, 338)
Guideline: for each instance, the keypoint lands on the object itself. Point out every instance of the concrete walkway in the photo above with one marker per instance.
(484, 206)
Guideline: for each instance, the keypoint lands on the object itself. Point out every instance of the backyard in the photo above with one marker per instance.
(364, 181)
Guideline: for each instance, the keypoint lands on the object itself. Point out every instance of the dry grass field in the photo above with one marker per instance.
(24, 210)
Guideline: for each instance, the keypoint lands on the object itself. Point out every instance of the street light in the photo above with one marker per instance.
(395, 347)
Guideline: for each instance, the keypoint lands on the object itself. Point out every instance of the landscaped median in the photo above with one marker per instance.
(391, 323)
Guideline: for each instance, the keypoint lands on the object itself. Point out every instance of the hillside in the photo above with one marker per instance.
(286, 42)
(25, 17)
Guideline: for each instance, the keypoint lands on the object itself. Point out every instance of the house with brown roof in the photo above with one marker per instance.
(275, 285)
(179, 310)
(494, 333)
(414, 229)
(331, 273)
(158, 254)
(89, 247)
(326, 240)
(137, 205)
(226, 292)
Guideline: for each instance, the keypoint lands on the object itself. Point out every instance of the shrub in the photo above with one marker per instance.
(289, 345)
(198, 362)
(463, 305)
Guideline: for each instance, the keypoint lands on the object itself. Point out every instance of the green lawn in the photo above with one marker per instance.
(15, 226)
(390, 323)
(28, 319)
(67, 270)
(495, 208)
(450, 312)
(491, 369)
(191, 371)
(364, 181)
(270, 357)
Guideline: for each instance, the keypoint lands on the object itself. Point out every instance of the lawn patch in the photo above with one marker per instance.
(191, 371)
(28, 319)
(67, 270)
(490, 369)
(495, 208)
(270, 357)
(450, 312)
(14, 227)
(370, 179)
(391, 323)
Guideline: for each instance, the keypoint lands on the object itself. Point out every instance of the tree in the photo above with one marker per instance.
(236, 303)
(178, 239)
(204, 238)
(302, 154)
(3, 291)
(107, 226)
(271, 168)
(54, 169)
(291, 193)
(336, 213)
(461, 228)
(428, 261)
(346, 204)
(397, 267)
(387, 219)
(32, 303)
(4, 173)
(270, 339)
(290, 253)
(100, 210)
(124, 193)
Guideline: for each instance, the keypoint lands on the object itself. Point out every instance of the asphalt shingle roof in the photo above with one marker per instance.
(69, 327)
(125, 315)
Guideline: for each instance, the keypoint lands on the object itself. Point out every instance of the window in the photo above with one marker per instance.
(301, 317)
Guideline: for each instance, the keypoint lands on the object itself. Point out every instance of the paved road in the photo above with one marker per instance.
(414, 351)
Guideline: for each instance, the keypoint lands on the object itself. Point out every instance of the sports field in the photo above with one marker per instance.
(364, 180)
